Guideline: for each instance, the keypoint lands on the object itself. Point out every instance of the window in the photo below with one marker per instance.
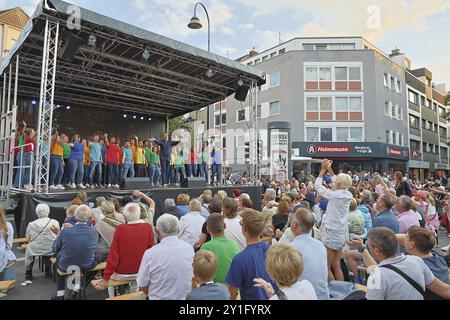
(308, 47)
(341, 73)
(272, 55)
(402, 140)
(442, 112)
(321, 47)
(354, 74)
(413, 122)
(386, 80)
(312, 134)
(257, 61)
(348, 46)
(311, 74)
(275, 108)
(415, 145)
(341, 105)
(282, 51)
(355, 104)
(217, 120)
(423, 101)
(342, 134)
(393, 111)
(258, 111)
(265, 58)
(325, 74)
(392, 83)
(387, 109)
(224, 118)
(356, 134)
(325, 104)
(240, 115)
(274, 79)
(397, 112)
(312, 104)
(398, 88)
(413, 97)
(389, 136)
(326, 134)
(443, 132)
(397, 138)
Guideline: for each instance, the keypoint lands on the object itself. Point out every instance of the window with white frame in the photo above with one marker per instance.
(386, 80)
(413, 97)
(355, 104)
(240, 115)
(312, 104)
(217, 118)
(398, 87)
(274, 79)
(311, 74)
(342, 134)
(326, 134)
(387, 109)
(312, 134)
(347, 73)
(356, 134)
(393, 83)
(340, 73)
(274, 108)
(325, 74)
(354, 73)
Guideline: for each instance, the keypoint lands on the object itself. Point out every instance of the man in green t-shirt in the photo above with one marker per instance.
(224, 248)
(154, 165)
(147, 153)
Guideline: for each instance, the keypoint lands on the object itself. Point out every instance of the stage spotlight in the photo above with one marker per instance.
(68, 107)
(210, 73)
(149, 119)
(146, 55)
(58, 106)
(142, 118)
(92, 41)
(241, 90)
(33, 102)
(134, 117)
(125, 116)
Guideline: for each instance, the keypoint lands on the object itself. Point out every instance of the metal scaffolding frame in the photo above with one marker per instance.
(109, 75)
(46, 105)
(253, 133)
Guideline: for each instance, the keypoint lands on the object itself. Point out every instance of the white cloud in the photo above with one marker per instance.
(170, 17)
(351, 17)
(226, 31)
(225, 51)
(246, 26)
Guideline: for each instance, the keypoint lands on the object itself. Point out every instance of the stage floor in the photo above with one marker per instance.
(24, 203)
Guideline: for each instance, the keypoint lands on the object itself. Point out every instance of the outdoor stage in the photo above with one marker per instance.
(24, 204)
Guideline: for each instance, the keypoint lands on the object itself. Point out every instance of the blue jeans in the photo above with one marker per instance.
(154, 173)
(215, 172)
(78, 167)
(204, 171)
(19, 172)
(191, 170)
(95, 165)
(180, 178)
(56, 170)
(128, 167)
(165, 166)
(28, 158)
(113, 173)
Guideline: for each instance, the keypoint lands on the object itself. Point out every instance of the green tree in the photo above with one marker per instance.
(447, 99)
(177, 123)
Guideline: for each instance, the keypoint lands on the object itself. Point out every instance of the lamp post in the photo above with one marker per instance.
(195, 24)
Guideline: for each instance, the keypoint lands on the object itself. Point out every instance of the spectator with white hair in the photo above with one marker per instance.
(334, 227)
(166, 270)
(191, 223)
(171, 208)
(40, 240)
(128, 246)
(75, 246)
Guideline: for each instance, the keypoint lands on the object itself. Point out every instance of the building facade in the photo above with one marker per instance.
(12, 21)
(346, 100)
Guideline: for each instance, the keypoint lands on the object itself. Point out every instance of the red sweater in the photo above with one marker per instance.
(129, 243)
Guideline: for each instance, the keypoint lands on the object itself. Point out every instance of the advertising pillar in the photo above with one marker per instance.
(280, 150)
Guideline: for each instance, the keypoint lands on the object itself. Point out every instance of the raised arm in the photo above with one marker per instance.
(148, 200)
(106, 139)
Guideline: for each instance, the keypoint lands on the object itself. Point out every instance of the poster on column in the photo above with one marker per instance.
(279, 141)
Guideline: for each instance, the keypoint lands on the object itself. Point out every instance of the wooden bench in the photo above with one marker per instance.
(20, 240)
(24, 246)
(7, 285)
(114, 283)
(99, 267)
(131, 296)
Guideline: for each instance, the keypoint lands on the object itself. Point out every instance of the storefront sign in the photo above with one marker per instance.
(279, 155)
(441, 166)
(394, 151)
(419, 164)
(363, 149)
(313, 149)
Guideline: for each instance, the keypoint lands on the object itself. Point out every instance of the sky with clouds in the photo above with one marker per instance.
(421, 28)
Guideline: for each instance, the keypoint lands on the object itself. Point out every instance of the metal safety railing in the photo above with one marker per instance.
(21, 169)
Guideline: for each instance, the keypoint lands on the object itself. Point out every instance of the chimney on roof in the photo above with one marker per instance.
(252, 53)
(395, 52)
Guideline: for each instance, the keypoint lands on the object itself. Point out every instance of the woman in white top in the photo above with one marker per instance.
(285, 266)
(334, 229)
(7, 257)
(233, 228)
(40, 239)
(191, 223)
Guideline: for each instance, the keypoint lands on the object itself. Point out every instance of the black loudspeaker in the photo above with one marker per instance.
(136, 184)
(70, 47)
(241, 92)
(194, 183)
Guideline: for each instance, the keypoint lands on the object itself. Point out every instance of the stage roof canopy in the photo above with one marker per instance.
(114, 72)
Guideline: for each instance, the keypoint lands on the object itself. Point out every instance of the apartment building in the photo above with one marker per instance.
(345, 99)
(12, 21)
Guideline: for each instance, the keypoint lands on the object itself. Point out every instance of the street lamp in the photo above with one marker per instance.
(196, 24)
